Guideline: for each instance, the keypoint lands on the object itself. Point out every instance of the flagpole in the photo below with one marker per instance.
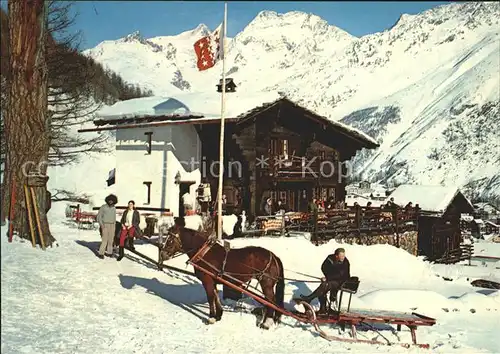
(221, 145)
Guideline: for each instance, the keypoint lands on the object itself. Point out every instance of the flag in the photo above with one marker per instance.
(209, 49)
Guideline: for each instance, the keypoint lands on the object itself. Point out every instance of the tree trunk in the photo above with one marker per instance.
(27, 125)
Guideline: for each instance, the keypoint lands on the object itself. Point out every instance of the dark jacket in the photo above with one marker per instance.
(136, 219)
(268, 209)
(334, 270)
(283, 207)
(313, 208)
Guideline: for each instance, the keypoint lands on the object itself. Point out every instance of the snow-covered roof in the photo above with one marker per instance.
(491, 223)
(432, 198)
(478, 221)
(350, 199)
(485, 206)
(145, 107)
(207, 106)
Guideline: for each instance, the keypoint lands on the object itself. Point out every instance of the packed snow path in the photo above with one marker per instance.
(66, 300)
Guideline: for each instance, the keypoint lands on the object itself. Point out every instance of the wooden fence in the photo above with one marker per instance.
(462, 253)
(342, 222)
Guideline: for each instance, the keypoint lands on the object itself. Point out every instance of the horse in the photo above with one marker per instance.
(241, 264)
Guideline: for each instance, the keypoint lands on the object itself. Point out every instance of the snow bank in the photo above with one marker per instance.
(391, 278)
(377, 263)
(427, 301)
(178, 302)
(490, 249)
(404, 300)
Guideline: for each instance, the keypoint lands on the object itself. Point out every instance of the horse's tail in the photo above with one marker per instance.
(280, 290)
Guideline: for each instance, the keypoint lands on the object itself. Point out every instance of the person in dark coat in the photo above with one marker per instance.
(336, 270)
(282, 207)
(390, 205)
(268, 207)
(330, 205)
(130, 227)
(313, 211)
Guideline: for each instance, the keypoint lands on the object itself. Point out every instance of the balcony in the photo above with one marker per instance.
(298, 167)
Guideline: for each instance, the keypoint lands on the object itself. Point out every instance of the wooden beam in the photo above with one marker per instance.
(258, 112)
(158, 124)
(140, 209)
(342, 131)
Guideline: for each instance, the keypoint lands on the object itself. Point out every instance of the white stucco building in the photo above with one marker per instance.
(153, 163)
(158, 149)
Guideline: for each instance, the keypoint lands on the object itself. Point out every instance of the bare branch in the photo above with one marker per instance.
(64, 195)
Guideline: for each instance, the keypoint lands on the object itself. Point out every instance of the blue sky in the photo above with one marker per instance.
(102, 20)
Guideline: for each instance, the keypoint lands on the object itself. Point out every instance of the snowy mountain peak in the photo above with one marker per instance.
(134, 36)
(200, 30)
(265, 15)
(291, 16)
(424, 88)
(467, 14)
(293, 20)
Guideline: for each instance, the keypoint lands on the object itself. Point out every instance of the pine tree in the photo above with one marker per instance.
(27, 124)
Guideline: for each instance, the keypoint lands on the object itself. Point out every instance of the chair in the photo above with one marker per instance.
(350, 286)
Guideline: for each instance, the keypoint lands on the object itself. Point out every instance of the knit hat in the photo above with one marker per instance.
(112, 198)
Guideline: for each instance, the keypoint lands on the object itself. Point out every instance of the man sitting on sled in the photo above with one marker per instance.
(336, 269)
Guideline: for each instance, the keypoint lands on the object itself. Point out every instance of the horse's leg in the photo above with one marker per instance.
(209, 285)
(218, 306)
(267, 286)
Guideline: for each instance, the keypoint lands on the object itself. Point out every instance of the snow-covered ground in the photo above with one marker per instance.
(66, 300)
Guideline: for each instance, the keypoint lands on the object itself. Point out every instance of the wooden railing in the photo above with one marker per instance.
(341, 222)
(462, 253)
(298, 166)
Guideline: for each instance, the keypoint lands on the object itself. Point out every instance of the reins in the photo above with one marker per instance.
(262, 272)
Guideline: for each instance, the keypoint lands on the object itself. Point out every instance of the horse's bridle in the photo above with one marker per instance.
(176, 239)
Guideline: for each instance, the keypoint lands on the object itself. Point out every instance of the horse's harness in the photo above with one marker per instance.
(207, 246)
(176, 239)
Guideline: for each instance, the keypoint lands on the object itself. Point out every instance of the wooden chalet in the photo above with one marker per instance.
(491, 228)
(439, 223)
(276, 150)
(274, 143)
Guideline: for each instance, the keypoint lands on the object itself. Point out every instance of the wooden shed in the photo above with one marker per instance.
(441, 207)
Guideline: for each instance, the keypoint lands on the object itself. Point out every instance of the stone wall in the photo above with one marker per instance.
(407, 241)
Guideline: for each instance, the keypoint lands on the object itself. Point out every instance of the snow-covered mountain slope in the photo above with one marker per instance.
(428, 89)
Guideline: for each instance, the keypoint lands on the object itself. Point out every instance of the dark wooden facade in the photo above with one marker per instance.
(491, 228)
(440, 233)
(303, 154)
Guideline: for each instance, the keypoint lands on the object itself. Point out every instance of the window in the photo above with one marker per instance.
(331, 193)
(278, 147)
(324, 193)
(149, 140)
(284, 147)
(273, 147)
(148, 198)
